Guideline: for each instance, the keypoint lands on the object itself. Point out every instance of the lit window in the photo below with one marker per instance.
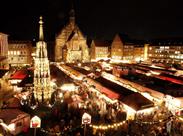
(177, 52)
(18, 52)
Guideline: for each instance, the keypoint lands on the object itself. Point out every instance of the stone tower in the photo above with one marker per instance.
(42, 90)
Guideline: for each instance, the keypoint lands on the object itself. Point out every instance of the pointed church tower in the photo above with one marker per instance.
(71, 45)
(72, 16)
(42, 90)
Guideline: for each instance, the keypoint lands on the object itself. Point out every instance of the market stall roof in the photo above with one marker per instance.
(20, 74)
(26, 82)
(137, 102)
(13, 103)
(8, 115)
(114, 87)
(110, 94)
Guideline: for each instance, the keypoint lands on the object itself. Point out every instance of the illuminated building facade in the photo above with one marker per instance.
(71, 44)
(19, 53)
(42, 90)
(117, 49)
(100, 50)
(139, 53)
(4, 51)
(125, 49)
(166, 53)
(136, 50)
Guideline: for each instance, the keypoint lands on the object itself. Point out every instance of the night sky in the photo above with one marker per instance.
(100, 19)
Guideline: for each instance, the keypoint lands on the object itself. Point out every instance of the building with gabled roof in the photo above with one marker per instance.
(100, 50)
(71, 44)
(124, 48)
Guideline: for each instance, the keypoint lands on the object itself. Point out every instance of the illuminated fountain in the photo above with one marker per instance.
(42, 89)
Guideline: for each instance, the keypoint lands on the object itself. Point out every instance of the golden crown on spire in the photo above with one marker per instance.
(40, 20)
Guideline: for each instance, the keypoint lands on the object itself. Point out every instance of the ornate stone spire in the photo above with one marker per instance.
(41, 35)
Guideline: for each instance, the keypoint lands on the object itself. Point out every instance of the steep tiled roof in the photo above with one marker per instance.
(128, 40)
(101, 43)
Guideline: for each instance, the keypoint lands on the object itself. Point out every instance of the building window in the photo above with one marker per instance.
(19, 124)
(18, 52)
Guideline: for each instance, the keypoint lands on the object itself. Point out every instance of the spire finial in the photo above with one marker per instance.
(72, 12)
(41, 36)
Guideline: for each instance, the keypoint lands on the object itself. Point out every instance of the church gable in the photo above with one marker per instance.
(72, 41)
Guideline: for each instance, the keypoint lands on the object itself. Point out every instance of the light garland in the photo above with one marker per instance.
(106, 127)
(116, 125)
(52, 133)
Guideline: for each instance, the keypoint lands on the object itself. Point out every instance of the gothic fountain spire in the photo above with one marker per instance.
(42, 90)
(41, 35)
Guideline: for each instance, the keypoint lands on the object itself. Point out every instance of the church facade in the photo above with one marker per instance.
(71, 44)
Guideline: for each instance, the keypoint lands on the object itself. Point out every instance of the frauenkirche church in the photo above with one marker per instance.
(71, 44)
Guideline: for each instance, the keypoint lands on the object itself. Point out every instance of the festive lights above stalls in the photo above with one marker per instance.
(108, 126)
(69, 87)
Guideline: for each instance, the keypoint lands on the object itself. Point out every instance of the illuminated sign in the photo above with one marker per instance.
(86, 118)
(35, 122)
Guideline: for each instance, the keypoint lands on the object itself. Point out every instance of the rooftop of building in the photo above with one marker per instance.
(19, 42)
(126, 39)
(7, 115)
(100, 43)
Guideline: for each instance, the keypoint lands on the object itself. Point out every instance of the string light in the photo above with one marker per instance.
(112, 126)
(108, 126)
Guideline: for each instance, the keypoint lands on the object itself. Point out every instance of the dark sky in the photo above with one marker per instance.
(100, 19)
